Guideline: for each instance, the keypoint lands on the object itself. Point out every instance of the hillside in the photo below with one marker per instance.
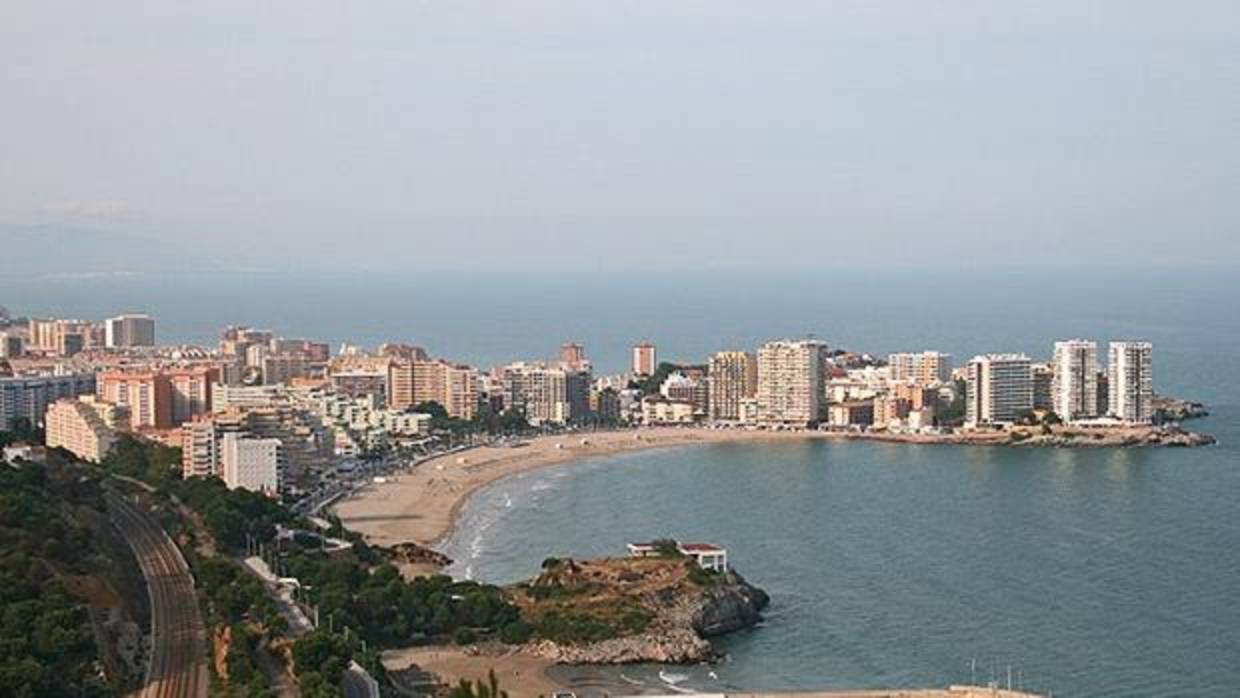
(69, 588)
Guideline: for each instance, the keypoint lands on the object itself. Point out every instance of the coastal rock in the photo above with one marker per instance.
(1169, 409)
(658, 609)
(731, 607)
(412, 553)
(1141, 437)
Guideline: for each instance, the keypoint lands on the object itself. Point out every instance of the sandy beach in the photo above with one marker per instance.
(521, 675)
(421, 505)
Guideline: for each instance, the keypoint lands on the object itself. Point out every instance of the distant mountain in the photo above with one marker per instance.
(58, 249)
(41, 249)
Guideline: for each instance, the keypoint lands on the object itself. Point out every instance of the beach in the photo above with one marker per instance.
(421, 505)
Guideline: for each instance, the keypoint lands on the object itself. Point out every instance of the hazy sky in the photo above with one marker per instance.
(614, 135)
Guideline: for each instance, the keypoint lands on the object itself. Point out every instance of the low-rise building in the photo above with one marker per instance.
(853, 413)
(657, 410)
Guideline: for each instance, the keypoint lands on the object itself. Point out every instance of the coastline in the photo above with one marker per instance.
(422, 505)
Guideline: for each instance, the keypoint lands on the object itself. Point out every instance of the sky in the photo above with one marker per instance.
(418, 135)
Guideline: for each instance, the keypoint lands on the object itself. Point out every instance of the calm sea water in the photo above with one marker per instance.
(1091, 573)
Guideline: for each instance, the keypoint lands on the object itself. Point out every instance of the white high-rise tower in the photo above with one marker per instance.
(1130, 381)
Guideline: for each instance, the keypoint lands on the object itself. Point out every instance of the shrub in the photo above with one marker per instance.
(464, 636)
(516, 633)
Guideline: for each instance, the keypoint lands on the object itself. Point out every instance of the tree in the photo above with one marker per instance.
(479, 689)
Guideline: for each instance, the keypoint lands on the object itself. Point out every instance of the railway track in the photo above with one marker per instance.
(178, 666)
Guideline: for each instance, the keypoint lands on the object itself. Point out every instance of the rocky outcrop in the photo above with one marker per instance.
(1169, 409)
(730, 607)
(678, 607)
(414, 554)
(1125, 438)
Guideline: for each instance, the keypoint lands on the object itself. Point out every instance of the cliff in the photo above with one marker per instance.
(618, 611)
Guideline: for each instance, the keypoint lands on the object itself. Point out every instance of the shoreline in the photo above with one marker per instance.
(422, 505)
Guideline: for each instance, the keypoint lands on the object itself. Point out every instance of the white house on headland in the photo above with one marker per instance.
(708, 557)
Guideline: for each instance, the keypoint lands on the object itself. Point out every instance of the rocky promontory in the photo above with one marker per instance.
(619, 611)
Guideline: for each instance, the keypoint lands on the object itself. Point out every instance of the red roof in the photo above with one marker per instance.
(700, 548)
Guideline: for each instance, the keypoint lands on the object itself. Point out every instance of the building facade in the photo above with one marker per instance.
(789, 390)
(645, 359)
(732, 376)
(252, 464)
(129, 331)
(78, 428)
(1074, 382)
(1130, 381)
(1000, 389)
(27, 397)
(923, 368)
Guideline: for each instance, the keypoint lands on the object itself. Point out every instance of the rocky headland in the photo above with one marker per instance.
(619, 611)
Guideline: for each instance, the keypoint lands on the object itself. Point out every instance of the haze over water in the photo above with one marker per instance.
(1094, 573)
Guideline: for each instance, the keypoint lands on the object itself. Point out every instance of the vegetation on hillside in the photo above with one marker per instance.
(47, 647)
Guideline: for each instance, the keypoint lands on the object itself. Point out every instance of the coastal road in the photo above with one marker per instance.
(178, 666)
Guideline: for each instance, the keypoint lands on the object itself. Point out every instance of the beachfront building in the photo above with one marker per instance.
(732, 376)
(789, 387)
(453, 386)
(80, 428)
(132, 330)
(683, 387)
(1043, 386)
(923, 368)
(1074, 382)
(252, 464)
(1000, 389)
(851, 413)
(709, 557)
(538, 389)
(644, 359)
(890, 411)
(658, 410)
(1130, 381)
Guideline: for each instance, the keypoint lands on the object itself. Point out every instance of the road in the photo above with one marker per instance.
(178, 667)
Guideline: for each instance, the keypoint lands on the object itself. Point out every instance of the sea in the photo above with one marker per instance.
(1110, 572)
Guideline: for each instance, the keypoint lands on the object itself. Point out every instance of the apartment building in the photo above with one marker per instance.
(645, 359)
(1130, 381)
(923, 368)
(79, 428)
(453, 386)
(132, 330)
(1074, 381)
(1000, 389)
(27, 396)
(789, 390)
(252, 464)
(732, 376)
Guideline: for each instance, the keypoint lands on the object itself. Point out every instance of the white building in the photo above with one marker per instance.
(1130, 381)
(129, 331)
(252, 464)
(790, 382)
(1000, 389)
(1074, 381)
(709, 557)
